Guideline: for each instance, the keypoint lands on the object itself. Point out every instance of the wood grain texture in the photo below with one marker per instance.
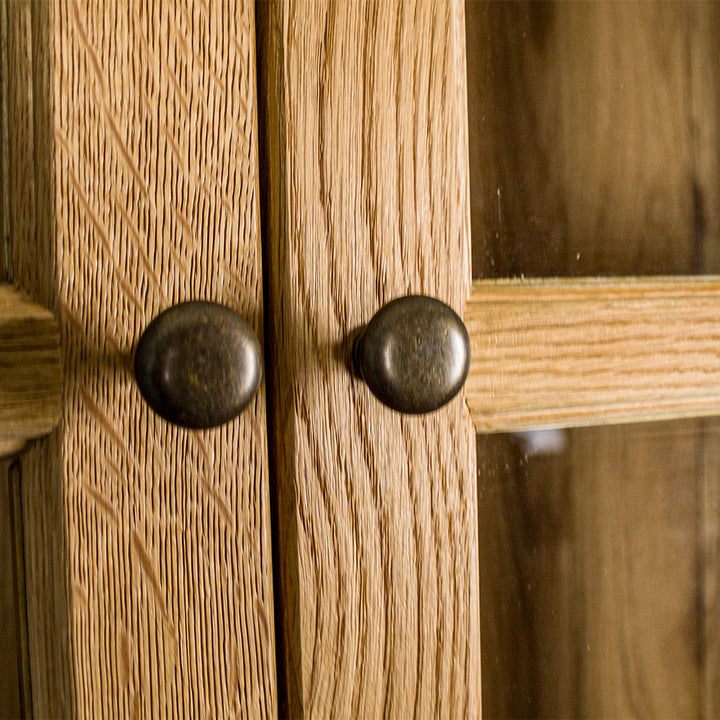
(21, 694)
(147, 546)
(708, 536)
(5, 243)
(575, 111)
(31, 382)
(516, 178)
(532, 627)
(367, 193)
(704, 96)
(564, 353)
(704, 85)
(633, 187)
(627, 145)
(14, 676)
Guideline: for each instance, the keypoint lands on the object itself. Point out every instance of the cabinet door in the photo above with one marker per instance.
(132, 135)
(131, 150)
(133, 186)
(366, 199)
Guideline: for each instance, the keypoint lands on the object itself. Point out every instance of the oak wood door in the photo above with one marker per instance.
(133, 166)
(365, 199)
(132, 184)
(317, 557)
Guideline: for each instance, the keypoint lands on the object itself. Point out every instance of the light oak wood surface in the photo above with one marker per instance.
(367, 199)
(132, 138)
(31, 382)
(564, 353)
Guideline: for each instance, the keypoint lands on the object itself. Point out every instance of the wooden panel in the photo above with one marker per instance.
(604, 177)
(31, 384)
(575, 110)
(525, 543)
(709, 561)
(5, 244)
(631, 181)
(517, 192)
(549, 353)
(147, 546)
(367, 200)
(627, 147)
(704, 88)
(704, 29)
(10, 705)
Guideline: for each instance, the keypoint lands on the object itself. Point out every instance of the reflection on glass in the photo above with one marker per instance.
(594, 137)
(599, 557)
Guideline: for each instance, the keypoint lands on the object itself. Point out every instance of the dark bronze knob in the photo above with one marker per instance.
(198, 364)
(414, 354)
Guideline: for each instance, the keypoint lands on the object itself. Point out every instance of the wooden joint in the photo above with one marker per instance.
(30, 370)
(592, 351)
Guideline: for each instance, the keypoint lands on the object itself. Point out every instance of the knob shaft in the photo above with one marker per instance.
(198, 364)
(414, 354)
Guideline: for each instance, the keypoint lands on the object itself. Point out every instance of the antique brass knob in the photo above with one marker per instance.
(198, 364)
(414, 354)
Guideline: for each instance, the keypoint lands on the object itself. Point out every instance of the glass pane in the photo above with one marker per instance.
(594, 137)
(599, 557)
(595, 150)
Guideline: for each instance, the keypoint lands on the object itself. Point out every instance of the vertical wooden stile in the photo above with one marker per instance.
(133, 153)
(366, 199)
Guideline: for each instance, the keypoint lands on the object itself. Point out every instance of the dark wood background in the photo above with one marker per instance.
(594, 133)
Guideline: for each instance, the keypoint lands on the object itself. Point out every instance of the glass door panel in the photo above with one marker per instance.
(599, 567)
(594, 137)
(595, 150)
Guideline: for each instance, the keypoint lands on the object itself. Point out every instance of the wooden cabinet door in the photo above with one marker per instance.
(366, 199)
(318, 556)
(134, 185)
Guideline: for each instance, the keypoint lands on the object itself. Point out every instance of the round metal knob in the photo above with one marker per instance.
(198, 364)
(414, 354)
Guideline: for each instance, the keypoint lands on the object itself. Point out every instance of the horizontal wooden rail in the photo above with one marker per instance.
(30, 371)
(571, 352)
